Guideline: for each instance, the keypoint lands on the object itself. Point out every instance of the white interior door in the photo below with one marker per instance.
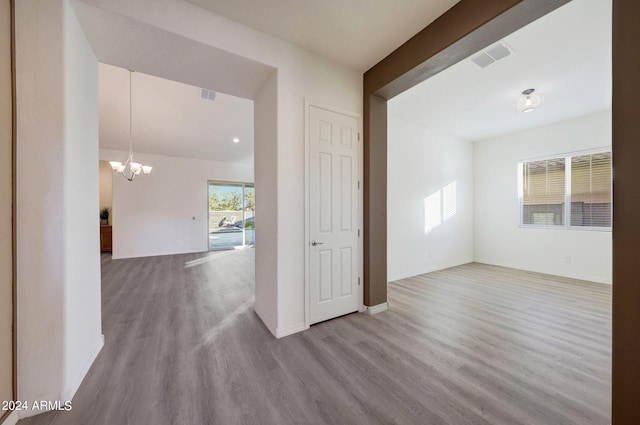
(333, 214)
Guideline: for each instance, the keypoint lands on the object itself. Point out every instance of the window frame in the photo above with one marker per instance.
(567, 191)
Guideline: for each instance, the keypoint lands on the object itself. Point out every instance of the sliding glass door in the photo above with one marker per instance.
(231, 215)
(249, 214)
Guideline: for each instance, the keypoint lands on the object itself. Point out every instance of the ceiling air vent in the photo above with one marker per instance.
(208, 94)
(492, 54)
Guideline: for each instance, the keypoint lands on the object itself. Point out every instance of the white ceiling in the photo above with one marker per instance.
(566, 59)
(565, 55)
(356, 33)
(171, 118)
(122, 41)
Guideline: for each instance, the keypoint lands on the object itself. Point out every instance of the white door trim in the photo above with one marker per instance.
(307, 179)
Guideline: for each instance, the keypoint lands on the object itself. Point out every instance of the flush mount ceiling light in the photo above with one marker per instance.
(236, 140)
(130, 169)
(529, 101)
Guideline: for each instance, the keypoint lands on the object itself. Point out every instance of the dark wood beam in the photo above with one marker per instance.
(626, 213)
(375, 201)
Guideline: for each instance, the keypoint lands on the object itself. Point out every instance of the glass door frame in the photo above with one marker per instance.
(243, 186)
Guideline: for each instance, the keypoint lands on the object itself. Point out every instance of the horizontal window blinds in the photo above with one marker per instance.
(543, 193)
(591, 198)
(568, 191)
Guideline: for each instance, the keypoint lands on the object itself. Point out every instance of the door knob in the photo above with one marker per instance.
(315, 243)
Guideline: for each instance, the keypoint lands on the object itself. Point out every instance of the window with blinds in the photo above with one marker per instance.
(543, 192)
(568, 191)
(591, 190)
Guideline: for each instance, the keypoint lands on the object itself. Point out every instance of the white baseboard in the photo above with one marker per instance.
(434, 267)
(278, 332)
(71, 390)
(375, 309)
(66, 395)
(27, 413)
(270, 325)
(12, 419)
(561, 273)
(289, 330)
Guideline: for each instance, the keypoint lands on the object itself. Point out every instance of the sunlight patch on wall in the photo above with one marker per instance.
(432, 208)
(449, 201)
(440, 207)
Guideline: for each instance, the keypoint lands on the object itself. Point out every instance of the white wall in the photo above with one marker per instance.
(265, 157)
(166, 212)
(40, 194)
(300, 75)
(498, 238)
(58, 268)
(420, 163)
(83, 319)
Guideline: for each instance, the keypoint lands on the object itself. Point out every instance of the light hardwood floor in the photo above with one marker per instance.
(473, 344)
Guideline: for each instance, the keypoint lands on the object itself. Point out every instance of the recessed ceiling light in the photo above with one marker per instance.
(236, 140)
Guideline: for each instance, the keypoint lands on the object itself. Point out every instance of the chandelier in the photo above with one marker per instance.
(130, 169)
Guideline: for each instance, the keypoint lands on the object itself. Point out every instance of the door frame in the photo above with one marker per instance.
(5, 416)
(307, 189)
